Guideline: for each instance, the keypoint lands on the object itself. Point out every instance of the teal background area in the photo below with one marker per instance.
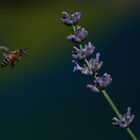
(41, 98)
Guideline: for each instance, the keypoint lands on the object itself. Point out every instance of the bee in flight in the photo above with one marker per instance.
(10, 57)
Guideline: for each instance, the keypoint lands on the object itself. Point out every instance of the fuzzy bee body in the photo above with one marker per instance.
(11, 56)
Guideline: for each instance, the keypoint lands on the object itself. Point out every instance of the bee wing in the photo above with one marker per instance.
(4, 49)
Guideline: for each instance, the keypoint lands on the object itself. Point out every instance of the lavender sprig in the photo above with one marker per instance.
(125, 120)
(85, 63)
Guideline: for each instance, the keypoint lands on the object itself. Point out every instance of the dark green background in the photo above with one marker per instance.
(41, 98)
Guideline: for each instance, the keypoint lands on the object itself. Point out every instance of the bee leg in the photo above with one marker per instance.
(12, 64)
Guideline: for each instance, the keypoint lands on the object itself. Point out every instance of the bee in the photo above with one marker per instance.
(10, 57)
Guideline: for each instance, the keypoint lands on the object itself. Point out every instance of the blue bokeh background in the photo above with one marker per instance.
(41, 98)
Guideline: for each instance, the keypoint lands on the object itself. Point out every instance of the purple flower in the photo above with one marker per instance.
(80, 35)
(96, 64)
(125, 120)
(79, 53)
(104, 81)
(100, 83)
(70, 19)
(83, 69)
(93, 88)
(89, 49)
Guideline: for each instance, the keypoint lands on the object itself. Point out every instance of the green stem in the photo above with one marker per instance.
(89, 65)
(74, 29)
(131, 134)
(111, 104)
(114, 108)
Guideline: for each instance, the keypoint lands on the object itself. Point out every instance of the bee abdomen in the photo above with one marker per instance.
(5, 62)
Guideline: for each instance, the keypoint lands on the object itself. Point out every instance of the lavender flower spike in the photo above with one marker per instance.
(85, 63)
(125, 121)
(72, 19)
(80, 35)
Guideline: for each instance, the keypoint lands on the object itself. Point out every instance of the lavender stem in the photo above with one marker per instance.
(74, 29)
(111, 104)
(131, 133)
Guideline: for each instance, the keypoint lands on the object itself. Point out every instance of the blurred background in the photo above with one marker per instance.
(41, 98)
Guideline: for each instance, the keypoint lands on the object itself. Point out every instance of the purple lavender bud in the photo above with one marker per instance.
(73, 38)
(70, 19)
(116, 121)
(93, 88)
(96, 64)
(75, 17)
(125, 120)
(83, 69)
(101, 82)
(128, 116)
(89, 49)
(80, 35)
(83, 53)
(78, 53)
